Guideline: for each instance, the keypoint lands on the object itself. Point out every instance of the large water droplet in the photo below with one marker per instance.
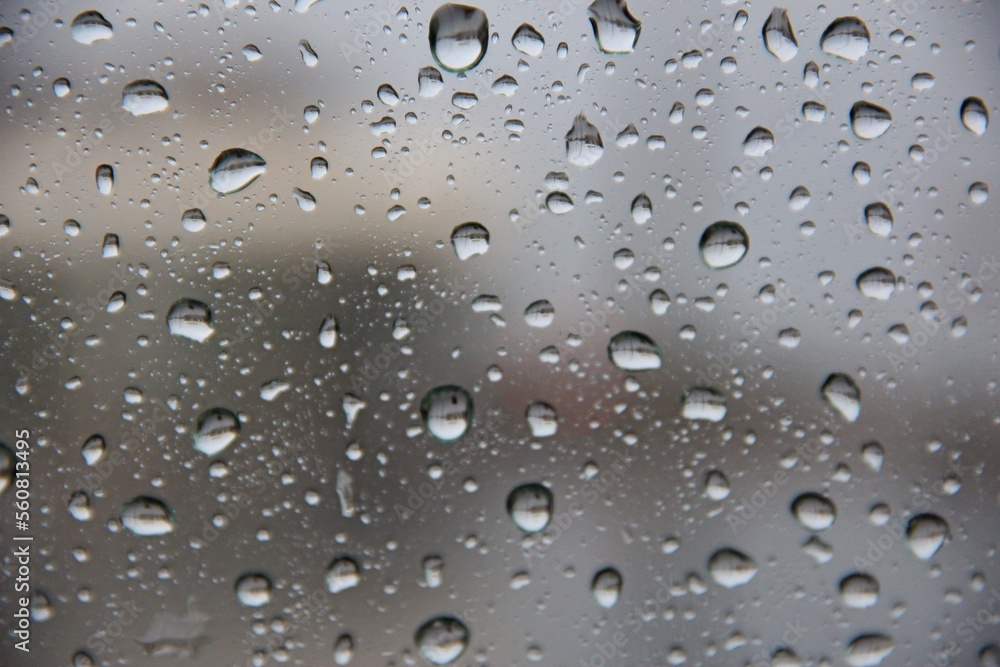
(731, 568)
(879, 219)
(584, 146)
(542, 420)
(540, 314)
(716, 485)
(447, 412)
(642, 209)
(190, 319)
(607, 587)
(869, 650)
(703, 404)
(847, 38)
(146, 516)
(93, 449)
(877, 283)
(343, 649)
(442, 640)
(758, 142)
(779, 36)
(329, 332)
(723, 245)
(235, 169)
(616, 30)
(470, 239)
(458, 36)
(217, 429)
(530, 507)
(814, 511)
(90, 27)
(634, 351)
(253, 590)
(869, 121)
(144, 97)
(926, 533)
(975, 116)
(105, 177)
(342, 574)
(843, 396)
(859, 591)
(528, 41)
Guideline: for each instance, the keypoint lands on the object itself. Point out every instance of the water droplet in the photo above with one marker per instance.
(342, 574)
(217, 429)
(447, 412)
(723, 245)
(873, 454)
(433, 571)
(105, 177)
(79, 506)
(542, 419)
(731, 568)
(703, 404)
(607, 587)
(814, 511)
(843, 396)
(530, 507)
(253, 590)
(847, 37)
(190, 319)
(616, 30)
(869, 650)
(926, 533)
(470, 239)
(61, 87)
(193, 220)
(877, 283)
(146, 516)
(343, 649)
(779, 36)
(429, 82)
(758, 142)
(93, 449)
(859, 591)
(869, 121)
(975, 116)
(634, 351)
(458, 36)
(584, 146)
(528, 41)
(559, 203)
(305, 200)
(90, 27)
(235, 169)
(879, 219)
(318, 168)
(642, 209)
(540, 314)
(144, 97)
(329, 332)
(716, 485)
(388, 95)
(308, 53)
(442, 640)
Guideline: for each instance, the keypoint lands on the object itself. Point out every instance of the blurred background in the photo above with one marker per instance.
(334, 294)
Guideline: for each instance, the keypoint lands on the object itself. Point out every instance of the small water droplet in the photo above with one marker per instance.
(190, 319)
(731, 568)
(926, 534)
(843, 396)
(975, 116)
(217, 429)
(584, 146)
(253, 590)
(814, 511)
